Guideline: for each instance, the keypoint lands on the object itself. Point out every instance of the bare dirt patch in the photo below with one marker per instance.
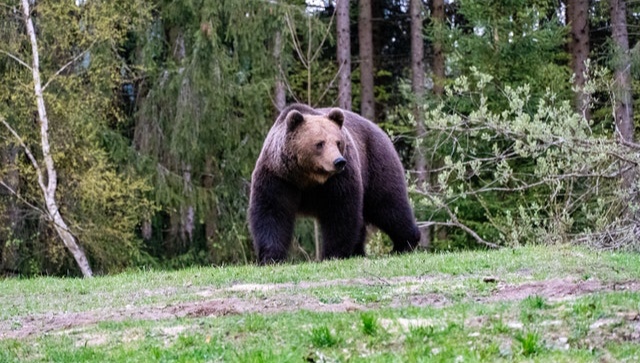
(557, 289)
(365, 281)
(554, 290)
(38, 324)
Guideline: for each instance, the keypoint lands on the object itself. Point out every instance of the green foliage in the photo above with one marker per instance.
(517, 42)
(588, 308)
(536, 169)
(378, 244)
(535, 302)
(420, 334)
(322, 337)
(529, 343)
(159, 108)
(309, 57)
(370, 323)
(209, 68)
(80, 66)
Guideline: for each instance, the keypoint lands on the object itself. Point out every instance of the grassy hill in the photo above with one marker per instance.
(527, 304)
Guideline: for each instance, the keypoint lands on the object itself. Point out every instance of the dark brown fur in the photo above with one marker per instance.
(295, 176)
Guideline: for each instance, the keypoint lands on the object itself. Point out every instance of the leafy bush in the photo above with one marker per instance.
(533, 172)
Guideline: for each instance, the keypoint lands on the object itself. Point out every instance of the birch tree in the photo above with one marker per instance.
(47, 176)
(64, 81)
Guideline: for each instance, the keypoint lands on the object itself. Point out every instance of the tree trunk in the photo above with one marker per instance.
(211, 217)
(188, 211)
(184, 102)
(146, 229)
(417, 81)
(622, 92)
(49, 190)
(438, 69)
(280, 95)
(417, 86)
(578, 19)
(437, 17)
(365, 38)
(343, 54)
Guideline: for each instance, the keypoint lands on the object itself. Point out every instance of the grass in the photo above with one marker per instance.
(411, 308)
(529, 343)
(369, 323)
(322, 337)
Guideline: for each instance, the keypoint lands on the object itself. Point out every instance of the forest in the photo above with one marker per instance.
(129, 129)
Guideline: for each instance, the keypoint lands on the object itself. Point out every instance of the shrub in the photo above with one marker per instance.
(535, 172)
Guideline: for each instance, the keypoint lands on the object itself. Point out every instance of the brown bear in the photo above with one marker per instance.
(337, 167)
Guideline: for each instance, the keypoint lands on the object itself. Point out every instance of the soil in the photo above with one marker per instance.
(552, 290)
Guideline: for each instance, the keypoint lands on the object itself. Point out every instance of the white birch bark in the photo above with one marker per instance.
(49, 188)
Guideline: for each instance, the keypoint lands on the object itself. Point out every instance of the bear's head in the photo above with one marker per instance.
(316, 146)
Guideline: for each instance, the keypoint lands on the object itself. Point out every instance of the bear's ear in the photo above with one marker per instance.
(336, 115)
(293, 120)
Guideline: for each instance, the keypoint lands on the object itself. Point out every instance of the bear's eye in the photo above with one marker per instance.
(320, 145)
(339, 144)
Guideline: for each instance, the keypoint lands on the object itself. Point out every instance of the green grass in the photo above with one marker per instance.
(322, 337)
(411, 308)
(369, 323)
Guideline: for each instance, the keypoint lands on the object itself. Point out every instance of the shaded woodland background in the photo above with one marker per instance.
(514, 120)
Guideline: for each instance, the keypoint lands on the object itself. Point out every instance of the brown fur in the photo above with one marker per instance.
(298, 172)
(317, 161)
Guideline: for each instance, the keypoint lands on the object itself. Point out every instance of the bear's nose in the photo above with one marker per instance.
(340, 163)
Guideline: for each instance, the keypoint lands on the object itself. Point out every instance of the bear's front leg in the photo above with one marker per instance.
(343, 227)
(272, 212)
(343, 235)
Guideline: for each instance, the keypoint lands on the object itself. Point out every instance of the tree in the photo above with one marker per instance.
(209, 111)
(280, 92)
(564, 187)
(69, 187)
(517, 42)
(47, 178)
(578, 20)
(417, 88)
(365, 41)
(622, 64)
(343, 54)
(437, 65)
(417, 81)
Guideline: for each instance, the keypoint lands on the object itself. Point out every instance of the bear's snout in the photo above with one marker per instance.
(340, 163)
